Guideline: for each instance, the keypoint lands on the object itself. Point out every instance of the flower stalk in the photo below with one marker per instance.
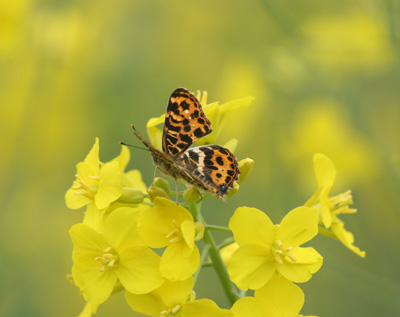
(215, 256)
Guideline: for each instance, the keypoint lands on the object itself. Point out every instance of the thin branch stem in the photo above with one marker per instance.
(215, 256)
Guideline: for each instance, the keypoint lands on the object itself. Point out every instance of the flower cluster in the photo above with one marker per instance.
(140, 241)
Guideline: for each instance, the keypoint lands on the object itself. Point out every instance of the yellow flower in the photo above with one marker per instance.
(265, 248)
(170, 225)
(215, 113)
(117, 254)
(94, 183)
(175, 299)
(331, 207)
(279, 297)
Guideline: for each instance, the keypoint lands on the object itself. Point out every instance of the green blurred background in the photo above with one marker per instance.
(325, 77)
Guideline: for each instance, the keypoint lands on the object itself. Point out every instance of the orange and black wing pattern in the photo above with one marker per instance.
(185, 122)
(212, 167)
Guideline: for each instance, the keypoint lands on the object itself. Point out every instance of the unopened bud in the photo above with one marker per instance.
(163, 184)
(231, 192)
(191, 194)
(245, 168)
(156, 192)
(131, 196)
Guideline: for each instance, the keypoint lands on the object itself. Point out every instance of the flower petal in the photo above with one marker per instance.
(138, 270)
(93, 217)
(251, 226)
(251, 266)
(120, 229)
(86, 240)
(325, 171)
(110, 187)
(134, 179)
(249, 306)
(281, 296)
(204, 307)
(155, 224)
(96, 286)
(73, 200)
(175, 293)
(346, 237)
(177, 263)
(308, 262)
(298, 226)
(123, 158)
(149, 304)
(92, 159)
(188, 232)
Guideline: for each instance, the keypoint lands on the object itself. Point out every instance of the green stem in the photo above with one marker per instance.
(203, 257)
(226, 243)
(218, 228)
(216, 259)
(326, 232)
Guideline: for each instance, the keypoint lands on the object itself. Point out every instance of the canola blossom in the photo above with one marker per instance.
(331, 207)
(142, 242)
(265, 248)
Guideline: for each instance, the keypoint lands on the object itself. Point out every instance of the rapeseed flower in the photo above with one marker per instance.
(175, 299)
(118, 255)
(170, 225)
(330, 207)
(265, 248)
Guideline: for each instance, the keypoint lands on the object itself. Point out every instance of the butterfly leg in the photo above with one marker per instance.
(154, 176)
(201, 197)
(176, 191)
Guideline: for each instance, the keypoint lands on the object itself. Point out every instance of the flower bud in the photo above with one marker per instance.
(245, 168)
(131, 196)
(191, 194)
(163, 184)
(231, 192)
(156, 192)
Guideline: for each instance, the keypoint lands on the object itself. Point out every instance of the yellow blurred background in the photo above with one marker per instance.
(325, 77)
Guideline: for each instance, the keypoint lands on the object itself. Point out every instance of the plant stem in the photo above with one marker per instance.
(216, 259)
(204, 254)
(326, 232)
(218, 228)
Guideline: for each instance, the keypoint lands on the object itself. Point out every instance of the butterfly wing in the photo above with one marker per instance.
(213, 168)
(185, 122)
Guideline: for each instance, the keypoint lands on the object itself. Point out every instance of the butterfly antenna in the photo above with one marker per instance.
(134, 146)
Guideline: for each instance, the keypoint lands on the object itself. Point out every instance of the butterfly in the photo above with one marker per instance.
(209, 167)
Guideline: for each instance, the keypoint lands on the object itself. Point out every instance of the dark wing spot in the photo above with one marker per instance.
(174, 128)
(222, 150)
(230, 158)
(198, 133)
(184, 105)
(195, 114)
(232, 166)
(200, 120)
(230, 172)
(206, 128)
(185, 122)
(220, 161)
(218, 175)
(228, 179)
(181, 145)
(172, 139)
(185, 138)
(186, 128)
(208, 163)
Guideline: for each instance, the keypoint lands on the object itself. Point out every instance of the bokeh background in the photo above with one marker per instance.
(325, 77)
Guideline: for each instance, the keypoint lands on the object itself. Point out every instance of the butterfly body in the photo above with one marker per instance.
(210, 167)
